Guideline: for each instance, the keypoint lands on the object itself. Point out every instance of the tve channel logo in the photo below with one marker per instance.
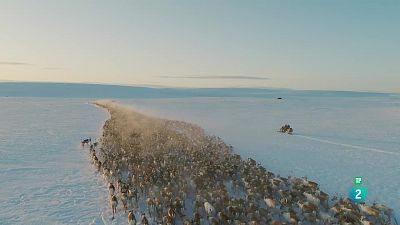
(358, 192)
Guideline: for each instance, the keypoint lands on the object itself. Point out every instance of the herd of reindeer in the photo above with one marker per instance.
(175, 179)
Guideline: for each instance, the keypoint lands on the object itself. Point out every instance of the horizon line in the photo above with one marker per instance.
(175, 87)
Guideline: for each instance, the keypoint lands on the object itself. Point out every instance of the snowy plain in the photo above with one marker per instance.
(46, 177)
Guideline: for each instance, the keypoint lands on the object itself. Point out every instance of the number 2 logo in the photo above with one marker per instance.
(358, 194)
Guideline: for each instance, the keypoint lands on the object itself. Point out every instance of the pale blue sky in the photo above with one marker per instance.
(340, 45)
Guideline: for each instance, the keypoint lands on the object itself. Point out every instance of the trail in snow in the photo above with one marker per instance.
(362, 148)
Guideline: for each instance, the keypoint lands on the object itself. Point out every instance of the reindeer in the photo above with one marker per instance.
(210, 210)
(111, 189)
(150, 207)
(131, 218)
(144, 220)
(124, 200)
(171, 214)
(114, 203)
(86, 141)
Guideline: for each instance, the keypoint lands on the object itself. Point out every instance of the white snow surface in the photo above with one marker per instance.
(46, 177)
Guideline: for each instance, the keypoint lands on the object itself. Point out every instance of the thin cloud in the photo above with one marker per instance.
(53, 68)
(14, 63)
(219, 77)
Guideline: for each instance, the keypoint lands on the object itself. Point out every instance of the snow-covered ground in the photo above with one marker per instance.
(336, 138)
(46, 177)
